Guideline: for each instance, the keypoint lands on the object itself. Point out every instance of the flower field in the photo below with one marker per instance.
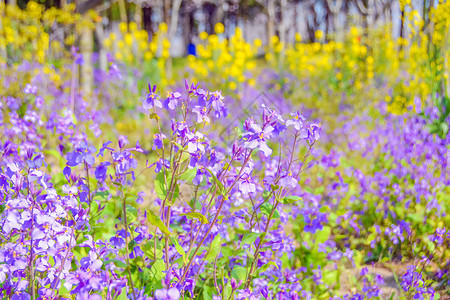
(303, 170)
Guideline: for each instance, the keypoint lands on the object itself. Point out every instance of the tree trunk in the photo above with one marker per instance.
(103, 61)
(123, 11)
(219, 13)
(187, 30)
(3, 52)
(138, 16)
(270, 21)
(147, 20)
(282, 29)
(174, 19)
(166, 11)
(335, 9)
(86, 47)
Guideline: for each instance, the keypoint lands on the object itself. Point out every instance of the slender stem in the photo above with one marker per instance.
(64, 261)
(154, 245)
(215, 276)
(167, 238)
(261, 241)
(32, 290)
(215, 217)
(126, 246)
(88, 185)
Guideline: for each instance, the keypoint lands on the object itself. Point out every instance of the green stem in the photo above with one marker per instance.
(126, 244)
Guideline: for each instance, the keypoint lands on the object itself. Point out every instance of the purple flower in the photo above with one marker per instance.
(218, 105)
(101, 171)
(140, 198)
(160, 164)
(158, 141)
(167, 294)
(171, 101)
(297, 121)
(30, 89)
(195, 143)
(257, 138)
(201, 172)
(314, 131)
(79, 59)
(91, 263)
(151, 100)
(39, 102)
(202, 114)
(287, 180)
(438, 236)
(118, 240)
(20, 296)
(103, 148)
(246, 186)
(125, 161)
(137, 252)
(83, 153)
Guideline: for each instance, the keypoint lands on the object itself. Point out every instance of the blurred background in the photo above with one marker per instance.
(258, 19)
(344, 47)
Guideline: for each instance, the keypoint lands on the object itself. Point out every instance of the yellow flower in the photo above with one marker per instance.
(219, 28)
(232, 85)
(203, 35)
(319, 34)
(163, 27)
(123, 27)
(133, 26)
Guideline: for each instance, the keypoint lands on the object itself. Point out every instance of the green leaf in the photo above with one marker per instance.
(228, 290)
(266, 208)
(63, 291)
(331, 277)
(116, 183)
(444, 128)
(272, 263)
(156, 221)
(104, 195)
(131, 196)
(154, 116)
(179, 249)
(157, 269)
(266, 266)
(160, 186)
(323, 235)
(196, 215)
(239, 273)
(57, 156)
(177, 144)
(149, 250)
(131, 213)
(189, 175)
(250, 238)
(123, 294)
(290, 199)
(117, 262)
(238, 132)
(214, 249)
(217, 181)
(207, 292)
